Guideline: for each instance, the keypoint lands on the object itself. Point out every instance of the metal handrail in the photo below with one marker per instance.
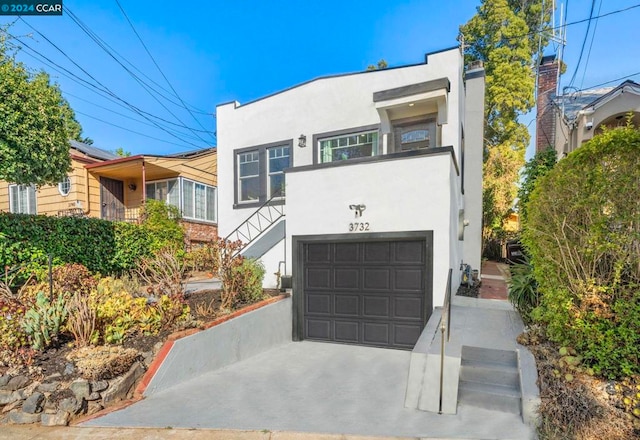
(250, 229)
(445, 327)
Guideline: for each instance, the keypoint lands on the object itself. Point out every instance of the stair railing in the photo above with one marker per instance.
(257, 223)
(445, 327)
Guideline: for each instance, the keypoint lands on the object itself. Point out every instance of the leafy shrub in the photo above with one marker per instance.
(43, 321)
(87, 241)
(132, 242)
(583, 235)
(203, 258)
(523, 290)
(249, 276)
(228, 263)
(162, 222)
(12, 335)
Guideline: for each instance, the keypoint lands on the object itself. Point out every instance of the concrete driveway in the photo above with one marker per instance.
(311, 387)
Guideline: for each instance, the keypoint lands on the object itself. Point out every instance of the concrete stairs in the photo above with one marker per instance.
(490, 379)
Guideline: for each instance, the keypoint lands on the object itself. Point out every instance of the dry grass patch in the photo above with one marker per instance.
(103, 362)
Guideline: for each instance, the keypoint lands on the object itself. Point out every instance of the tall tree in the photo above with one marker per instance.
(504, 35)
(36, 123)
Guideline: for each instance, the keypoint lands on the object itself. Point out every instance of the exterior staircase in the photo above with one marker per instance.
(490, 379)
(256, 225)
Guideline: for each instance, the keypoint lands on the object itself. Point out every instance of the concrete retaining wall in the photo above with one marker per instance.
(224, 344)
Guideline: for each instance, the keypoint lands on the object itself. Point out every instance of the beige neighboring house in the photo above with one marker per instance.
(103, 185)
(568, 120)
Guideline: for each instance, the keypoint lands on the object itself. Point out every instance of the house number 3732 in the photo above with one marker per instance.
(358, 226)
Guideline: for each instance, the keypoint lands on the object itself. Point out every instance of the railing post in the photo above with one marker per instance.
(442, 330)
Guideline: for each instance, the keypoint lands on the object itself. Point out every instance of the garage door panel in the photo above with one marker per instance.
(346, 305)
(318, 304)
(409, 279)
(318, 278)
(376, 333)
(377, 278)
(347, 252)
(318, 328)
(318, 253)
(368, 293)
(409, 251)
(377, 252)
(406, 335)
(408, 308)
(347, 331)
(376, 306)
(347, 278)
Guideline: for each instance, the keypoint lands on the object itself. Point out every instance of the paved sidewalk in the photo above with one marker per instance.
(494, 277)
(10, 432)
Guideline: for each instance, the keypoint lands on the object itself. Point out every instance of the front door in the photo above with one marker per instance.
(111, 199)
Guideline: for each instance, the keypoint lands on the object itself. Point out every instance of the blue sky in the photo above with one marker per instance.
(216, 51)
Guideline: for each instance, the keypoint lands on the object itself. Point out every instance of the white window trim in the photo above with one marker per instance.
(180, 181)
(35, 208)
(62, 193)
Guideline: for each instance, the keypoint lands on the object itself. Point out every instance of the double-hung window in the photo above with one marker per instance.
(278, 161)
(260, 172)
(248, 176)
(349, 146)
(22, 199)
(195, 200)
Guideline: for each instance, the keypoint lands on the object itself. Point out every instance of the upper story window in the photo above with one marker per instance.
(349, 146)
(259, 172)
(248, 176)
(22, 199)
(415, 136)
(64, 186)
(279, 159)
(195, 200)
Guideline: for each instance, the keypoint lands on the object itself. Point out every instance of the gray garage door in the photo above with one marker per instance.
(366, 293)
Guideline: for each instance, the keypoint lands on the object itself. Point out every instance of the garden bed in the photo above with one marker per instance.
(62, 383)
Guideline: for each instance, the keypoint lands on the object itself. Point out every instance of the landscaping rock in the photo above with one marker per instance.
(33, 404)
(4, 379)
(93, 396)
(120, 387)
(94, 407)
(48, 387)
(69, 369)
(17, 382)
(22, 418)
(11, 406)
(7, 396)
(80, 388)
(60, 418)
(99, 385)
(70, 405)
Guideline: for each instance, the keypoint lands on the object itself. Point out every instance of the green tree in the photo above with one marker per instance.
(538, 166)
(382, 64)
(121, 152)
(36, 124)
(503, 34)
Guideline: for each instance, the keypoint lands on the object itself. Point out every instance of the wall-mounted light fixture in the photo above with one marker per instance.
(359, 209)
(132, 186)
(302, 141)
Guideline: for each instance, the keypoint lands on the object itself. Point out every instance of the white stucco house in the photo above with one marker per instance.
(365, 188)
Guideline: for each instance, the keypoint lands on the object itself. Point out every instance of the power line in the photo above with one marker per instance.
(584, 43)
(155, 63)
(146, 87)
(593, 37)
(103, 87)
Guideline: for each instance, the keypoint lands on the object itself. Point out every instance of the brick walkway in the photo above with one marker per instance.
(494, 285)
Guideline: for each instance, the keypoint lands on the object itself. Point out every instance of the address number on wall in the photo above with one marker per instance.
(358, 227)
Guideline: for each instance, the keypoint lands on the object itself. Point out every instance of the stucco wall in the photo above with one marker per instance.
(411, 194)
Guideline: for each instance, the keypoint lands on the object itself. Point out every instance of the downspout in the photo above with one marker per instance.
(86, 183)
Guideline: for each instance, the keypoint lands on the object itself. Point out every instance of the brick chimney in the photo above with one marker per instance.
(545, 110)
